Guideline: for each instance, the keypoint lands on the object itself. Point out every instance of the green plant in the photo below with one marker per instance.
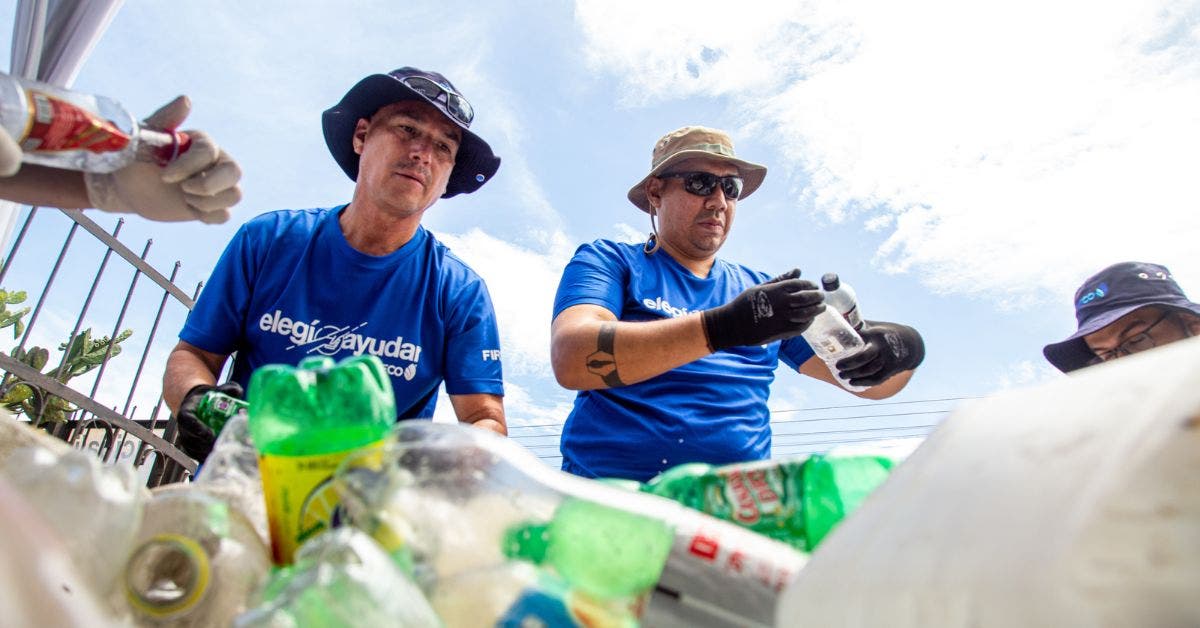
(80, 354)
(12, 319)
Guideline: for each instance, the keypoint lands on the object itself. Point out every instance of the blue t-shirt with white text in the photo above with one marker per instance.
(711, 410)
(290, 286)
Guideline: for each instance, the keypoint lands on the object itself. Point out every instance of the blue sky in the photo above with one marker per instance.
(963, 165)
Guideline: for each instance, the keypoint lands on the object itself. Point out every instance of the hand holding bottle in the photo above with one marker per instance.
(890, 349)
(198, 184)
(196, 437)
(773, 310)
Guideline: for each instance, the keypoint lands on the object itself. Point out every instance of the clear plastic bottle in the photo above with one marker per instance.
(196, 563)
(459, 500)
(841, 297)
(94, 508)
(518, 594)
(231, 473)
(832, 338)
(340, 578)
(65, 129)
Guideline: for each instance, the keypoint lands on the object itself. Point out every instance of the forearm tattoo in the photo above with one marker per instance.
(603, 362)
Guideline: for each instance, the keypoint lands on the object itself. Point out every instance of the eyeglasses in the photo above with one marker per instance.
(703, 183)
(1135, 344)
(456, 105)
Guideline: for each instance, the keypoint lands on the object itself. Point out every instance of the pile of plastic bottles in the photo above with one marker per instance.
(319, 510)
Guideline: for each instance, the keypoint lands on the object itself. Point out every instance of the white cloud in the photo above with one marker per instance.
(629, 234)
(522, 283)
(1004, 149)
(1024, 373)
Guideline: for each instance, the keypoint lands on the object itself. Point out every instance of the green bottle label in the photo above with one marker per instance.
(764, 496)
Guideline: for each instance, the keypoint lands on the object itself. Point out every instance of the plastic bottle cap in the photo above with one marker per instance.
(830, 282)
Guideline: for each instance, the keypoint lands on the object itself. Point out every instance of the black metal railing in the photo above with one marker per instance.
(60, 406)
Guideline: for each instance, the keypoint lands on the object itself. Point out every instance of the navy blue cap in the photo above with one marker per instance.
(1107, 296)
(475, 162)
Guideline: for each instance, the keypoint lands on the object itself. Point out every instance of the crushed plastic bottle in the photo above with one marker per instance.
(340, 578)
(796, 501)
(304, 420)
(196, 562)
(94, 508)
(231, 474)
(517, 595)
(460, 500)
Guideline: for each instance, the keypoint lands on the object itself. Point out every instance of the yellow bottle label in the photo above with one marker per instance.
(300, 497)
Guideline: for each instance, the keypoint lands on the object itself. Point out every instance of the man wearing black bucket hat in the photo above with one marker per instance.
(673, 349)
(1126, 308)
(361, 278)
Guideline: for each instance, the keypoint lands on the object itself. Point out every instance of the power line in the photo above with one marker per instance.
(857, 416)
(860, 431)
(841, 407)
(801, 434)
(840, 442)
(875, 404)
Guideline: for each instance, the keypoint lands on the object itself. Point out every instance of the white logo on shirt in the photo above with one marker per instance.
(660, 304)
(331, 339)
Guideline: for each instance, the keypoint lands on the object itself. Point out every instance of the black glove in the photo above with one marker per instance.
(780, 308)
(891, 348)
(195, 438)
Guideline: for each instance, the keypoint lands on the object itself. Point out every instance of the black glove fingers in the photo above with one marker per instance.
(791, 274)
(233, 389)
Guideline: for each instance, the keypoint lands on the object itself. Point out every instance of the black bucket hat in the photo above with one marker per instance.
(1107, 296)
(475, 162)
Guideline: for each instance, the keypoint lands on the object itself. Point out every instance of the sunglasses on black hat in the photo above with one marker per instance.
(456, 105)
(703, 183)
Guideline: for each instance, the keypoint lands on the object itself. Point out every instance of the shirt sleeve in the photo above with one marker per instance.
(596, 275)
(217, 321)
(795, 351)
(472, 342)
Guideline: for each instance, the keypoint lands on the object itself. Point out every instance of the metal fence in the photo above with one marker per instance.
(111, 418)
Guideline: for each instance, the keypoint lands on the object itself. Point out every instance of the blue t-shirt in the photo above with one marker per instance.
(712, 410)
(289, 286)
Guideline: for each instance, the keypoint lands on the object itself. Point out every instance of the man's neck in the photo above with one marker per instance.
(699, 267)
(373, 232)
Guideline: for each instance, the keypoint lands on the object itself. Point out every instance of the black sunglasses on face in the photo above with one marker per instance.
(456, 105)
(703, 183)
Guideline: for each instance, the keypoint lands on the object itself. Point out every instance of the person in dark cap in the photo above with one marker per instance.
(1126, 308)
(360, 278)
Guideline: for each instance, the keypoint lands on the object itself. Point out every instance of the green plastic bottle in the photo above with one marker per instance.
(796, 501)
(606, 552)
(304, 420)
(216, 408)
(835, 486)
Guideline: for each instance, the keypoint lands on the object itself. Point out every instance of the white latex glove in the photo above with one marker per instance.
(200, 184)
(10, 155)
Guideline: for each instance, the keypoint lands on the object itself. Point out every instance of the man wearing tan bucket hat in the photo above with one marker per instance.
(673, 350)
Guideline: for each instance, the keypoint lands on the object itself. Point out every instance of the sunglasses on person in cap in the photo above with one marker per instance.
(456, 105)
(703, 183)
